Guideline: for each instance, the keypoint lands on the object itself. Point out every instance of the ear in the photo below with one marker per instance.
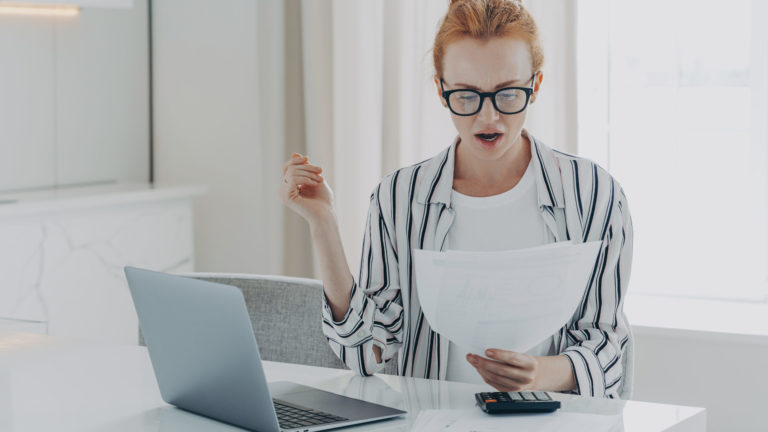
(536, 86)
(439, 93)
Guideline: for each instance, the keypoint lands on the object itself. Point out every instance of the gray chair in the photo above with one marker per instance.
(286, 318)
(628, 364)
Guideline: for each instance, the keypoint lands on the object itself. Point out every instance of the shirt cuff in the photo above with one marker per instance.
(347, 331)
(586, 371)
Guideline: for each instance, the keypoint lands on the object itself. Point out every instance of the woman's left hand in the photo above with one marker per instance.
(506, 370)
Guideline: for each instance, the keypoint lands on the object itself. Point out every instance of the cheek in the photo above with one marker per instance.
(517, 119)
(463, 124)
(514, 123)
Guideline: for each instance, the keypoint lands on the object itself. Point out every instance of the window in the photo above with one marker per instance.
(673, 101)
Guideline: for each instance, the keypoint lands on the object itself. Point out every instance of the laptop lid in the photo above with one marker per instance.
(202, 348)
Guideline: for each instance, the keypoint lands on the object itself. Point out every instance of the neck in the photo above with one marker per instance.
(511, 166)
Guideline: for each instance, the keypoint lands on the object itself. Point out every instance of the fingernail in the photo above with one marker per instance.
(472, 359)
(489, 353)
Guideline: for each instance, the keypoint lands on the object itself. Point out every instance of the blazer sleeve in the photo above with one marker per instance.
(596, 337)
(375, 314)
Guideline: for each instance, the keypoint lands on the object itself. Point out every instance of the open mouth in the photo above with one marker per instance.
(488, 138)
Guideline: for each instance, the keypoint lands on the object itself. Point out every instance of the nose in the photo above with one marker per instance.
(488, 112)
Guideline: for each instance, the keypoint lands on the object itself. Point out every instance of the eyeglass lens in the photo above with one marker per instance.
(507, 101)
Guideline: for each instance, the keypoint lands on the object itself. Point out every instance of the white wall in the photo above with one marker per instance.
(74, 98)
(726, 376)
(209, 128)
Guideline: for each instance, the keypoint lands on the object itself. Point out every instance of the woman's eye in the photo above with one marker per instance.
(468, 98)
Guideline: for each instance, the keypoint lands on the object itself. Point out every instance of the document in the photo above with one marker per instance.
(510, 300)
(474, 420)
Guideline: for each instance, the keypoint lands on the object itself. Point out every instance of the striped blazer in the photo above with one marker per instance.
(411, 209)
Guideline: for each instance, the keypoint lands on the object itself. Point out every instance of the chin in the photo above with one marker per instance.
(488, 151)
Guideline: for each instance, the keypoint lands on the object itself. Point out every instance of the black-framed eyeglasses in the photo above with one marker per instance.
(467, 102)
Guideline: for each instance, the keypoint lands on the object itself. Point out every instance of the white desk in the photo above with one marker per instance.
(49, 383)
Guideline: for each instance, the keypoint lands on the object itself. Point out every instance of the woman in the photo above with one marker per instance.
(496, 187)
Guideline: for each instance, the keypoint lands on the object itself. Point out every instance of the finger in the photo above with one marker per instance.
(301, 170)
(292, 171)
(513, 358)
(514, 373)
(510, 373)
(298, 179)
(295, 187)
(311, 168)
(292, 186)
(498, 382)
(296, 159)
(502, 383)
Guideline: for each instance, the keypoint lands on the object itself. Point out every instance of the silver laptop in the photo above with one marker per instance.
(206, 360)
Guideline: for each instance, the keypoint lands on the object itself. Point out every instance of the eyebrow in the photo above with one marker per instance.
(504, 84)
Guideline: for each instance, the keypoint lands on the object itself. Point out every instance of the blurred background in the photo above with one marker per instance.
(153, 133)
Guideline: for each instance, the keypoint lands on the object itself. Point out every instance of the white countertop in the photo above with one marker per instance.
(96, 195)
(737, 322)
(59, 384)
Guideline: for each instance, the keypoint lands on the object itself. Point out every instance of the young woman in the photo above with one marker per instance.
(495, 187)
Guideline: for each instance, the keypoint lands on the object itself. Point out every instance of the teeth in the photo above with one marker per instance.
(488, 137)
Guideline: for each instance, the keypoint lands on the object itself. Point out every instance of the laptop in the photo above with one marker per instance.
(206, 360)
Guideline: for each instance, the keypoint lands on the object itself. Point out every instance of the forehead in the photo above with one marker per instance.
(486, 63)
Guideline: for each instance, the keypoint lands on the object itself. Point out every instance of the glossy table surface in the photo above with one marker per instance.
(49, 383)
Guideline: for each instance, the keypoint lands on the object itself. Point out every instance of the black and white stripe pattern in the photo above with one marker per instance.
(410, 209)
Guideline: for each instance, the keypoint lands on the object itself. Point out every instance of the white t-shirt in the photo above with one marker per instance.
(509, 220)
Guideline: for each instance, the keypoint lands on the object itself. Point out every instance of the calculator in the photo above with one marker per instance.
(516, 402)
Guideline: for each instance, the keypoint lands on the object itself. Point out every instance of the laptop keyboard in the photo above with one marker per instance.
(293, 416)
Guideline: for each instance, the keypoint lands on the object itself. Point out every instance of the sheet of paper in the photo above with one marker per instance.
(510, 300)
(474, 420)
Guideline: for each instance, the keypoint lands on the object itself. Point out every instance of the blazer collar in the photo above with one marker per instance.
(438, 175)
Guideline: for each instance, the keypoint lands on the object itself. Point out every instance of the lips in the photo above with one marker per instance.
(488, 140)
(487, 136)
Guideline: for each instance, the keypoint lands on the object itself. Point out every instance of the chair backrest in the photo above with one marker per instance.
(286, 317)
(628, 365)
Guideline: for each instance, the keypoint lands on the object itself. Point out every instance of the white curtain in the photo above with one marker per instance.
(553, 118)
(368, 104)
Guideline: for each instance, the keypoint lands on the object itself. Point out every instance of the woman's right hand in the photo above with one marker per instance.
(304, 190)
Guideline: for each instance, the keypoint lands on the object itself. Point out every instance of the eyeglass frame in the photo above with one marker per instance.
(492, 95)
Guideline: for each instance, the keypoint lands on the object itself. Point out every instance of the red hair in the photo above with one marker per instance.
(483, 20)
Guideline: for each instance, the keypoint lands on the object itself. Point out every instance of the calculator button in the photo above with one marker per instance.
(515, 396)
(490, 400)
(528, 396)
(542, 396)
